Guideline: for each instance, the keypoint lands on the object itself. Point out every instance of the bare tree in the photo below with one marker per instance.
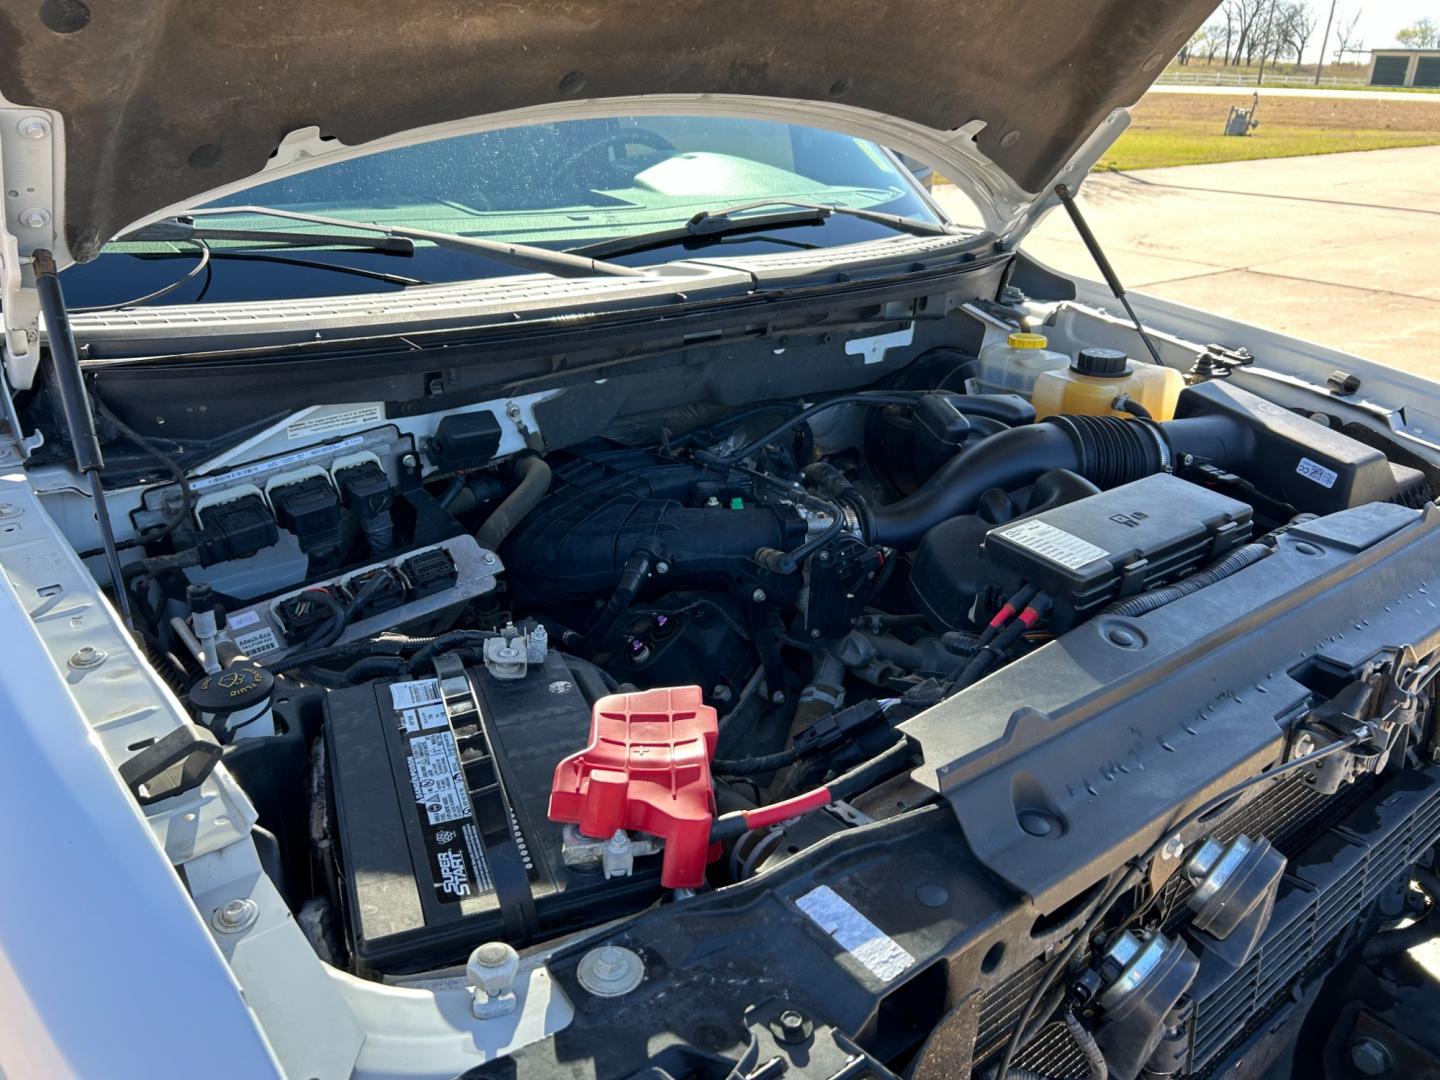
(1346, 38)
(1216, 35)
(1296, 27)
(1242, 17)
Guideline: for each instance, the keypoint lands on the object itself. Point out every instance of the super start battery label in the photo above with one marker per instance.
(458, 867)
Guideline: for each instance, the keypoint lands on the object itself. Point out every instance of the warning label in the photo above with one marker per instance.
(407, 695)
(425, 718)
(332, 423)
(458, 867)
(435, 776)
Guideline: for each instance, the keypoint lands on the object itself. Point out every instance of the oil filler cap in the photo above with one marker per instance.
(1100, 362)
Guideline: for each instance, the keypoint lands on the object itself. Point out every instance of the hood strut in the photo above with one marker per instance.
(75, 403)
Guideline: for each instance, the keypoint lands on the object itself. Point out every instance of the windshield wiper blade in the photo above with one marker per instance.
(707, 220)
(178, 230)
(727, 222)
(522, 256)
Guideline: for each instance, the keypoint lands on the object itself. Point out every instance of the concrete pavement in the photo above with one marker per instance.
(1341, 249)
(1297, 91)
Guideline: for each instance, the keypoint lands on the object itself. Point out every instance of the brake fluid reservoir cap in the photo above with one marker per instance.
(230, 690)
(1027, 341)
(1100, 362)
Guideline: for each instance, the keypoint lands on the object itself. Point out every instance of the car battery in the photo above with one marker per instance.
(1105, 547)
(440, 789)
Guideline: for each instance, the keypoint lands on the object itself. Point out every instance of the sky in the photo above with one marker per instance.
(1379, 20)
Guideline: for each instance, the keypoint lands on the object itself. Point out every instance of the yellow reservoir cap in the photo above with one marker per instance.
(1027, 341)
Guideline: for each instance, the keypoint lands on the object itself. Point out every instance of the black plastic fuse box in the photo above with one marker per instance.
(1089, 553)
(440, 813)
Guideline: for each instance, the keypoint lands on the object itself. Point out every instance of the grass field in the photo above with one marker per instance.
(1185, 129)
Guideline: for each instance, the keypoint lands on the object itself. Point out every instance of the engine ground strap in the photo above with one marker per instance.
(505, 850)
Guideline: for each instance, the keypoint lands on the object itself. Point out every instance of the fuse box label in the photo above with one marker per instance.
(1056, 545)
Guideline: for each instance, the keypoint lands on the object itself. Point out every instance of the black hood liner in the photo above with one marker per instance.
(166, 99)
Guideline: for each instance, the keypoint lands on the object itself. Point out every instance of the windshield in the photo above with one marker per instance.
(558, 185)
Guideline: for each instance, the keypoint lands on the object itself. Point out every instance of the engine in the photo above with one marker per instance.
(502, 699)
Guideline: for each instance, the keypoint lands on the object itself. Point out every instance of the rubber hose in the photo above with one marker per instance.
(390, 646)
(372, 667)
(1237, 560)
(1390, 943)
(534, 483)
(1094, 1056)
(1106, 450)
(754, 766)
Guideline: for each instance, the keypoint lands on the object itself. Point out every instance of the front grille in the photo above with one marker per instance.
(1306, 926)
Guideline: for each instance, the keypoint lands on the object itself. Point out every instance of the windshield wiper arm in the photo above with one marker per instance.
(522, 256)
(726, 222)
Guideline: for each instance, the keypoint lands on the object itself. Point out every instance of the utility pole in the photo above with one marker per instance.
(1325, 41)
(1265, 44)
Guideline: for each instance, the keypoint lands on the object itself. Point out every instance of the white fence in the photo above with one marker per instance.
(1240, 78)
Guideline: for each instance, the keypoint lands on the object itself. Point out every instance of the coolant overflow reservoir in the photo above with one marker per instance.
(1097, 378)
(1011, 366)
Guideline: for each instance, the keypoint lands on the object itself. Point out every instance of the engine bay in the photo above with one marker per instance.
(492, 691)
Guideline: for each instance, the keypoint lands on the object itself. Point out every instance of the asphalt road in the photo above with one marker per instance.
(1341, 249)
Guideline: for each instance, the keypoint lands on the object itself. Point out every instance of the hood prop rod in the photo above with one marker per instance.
(1106, 270)
(79, 420)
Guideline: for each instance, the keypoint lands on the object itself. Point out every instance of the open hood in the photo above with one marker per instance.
(163, 101)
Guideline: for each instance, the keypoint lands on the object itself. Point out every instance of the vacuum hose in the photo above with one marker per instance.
(1106, 450)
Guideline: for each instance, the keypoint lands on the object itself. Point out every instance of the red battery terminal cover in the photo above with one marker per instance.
(647, 768)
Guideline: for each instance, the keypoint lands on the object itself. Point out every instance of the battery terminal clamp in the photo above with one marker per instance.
(646, 769)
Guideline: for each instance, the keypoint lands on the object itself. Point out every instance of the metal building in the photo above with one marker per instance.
(1405, 67)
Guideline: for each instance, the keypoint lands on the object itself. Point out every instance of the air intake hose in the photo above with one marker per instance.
(1106, 450)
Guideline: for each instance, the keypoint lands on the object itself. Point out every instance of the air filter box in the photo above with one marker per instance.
(441, 787)
(1089, 553)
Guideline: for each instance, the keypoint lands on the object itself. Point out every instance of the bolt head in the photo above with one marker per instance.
(778, 697)
(791, 1027)
(1173, 848)
(34, 217)
(235, 915)
(34, 127)
(1371, 1057)
(610, 971)
(491, 955)
(87, 657)
(758, 596)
